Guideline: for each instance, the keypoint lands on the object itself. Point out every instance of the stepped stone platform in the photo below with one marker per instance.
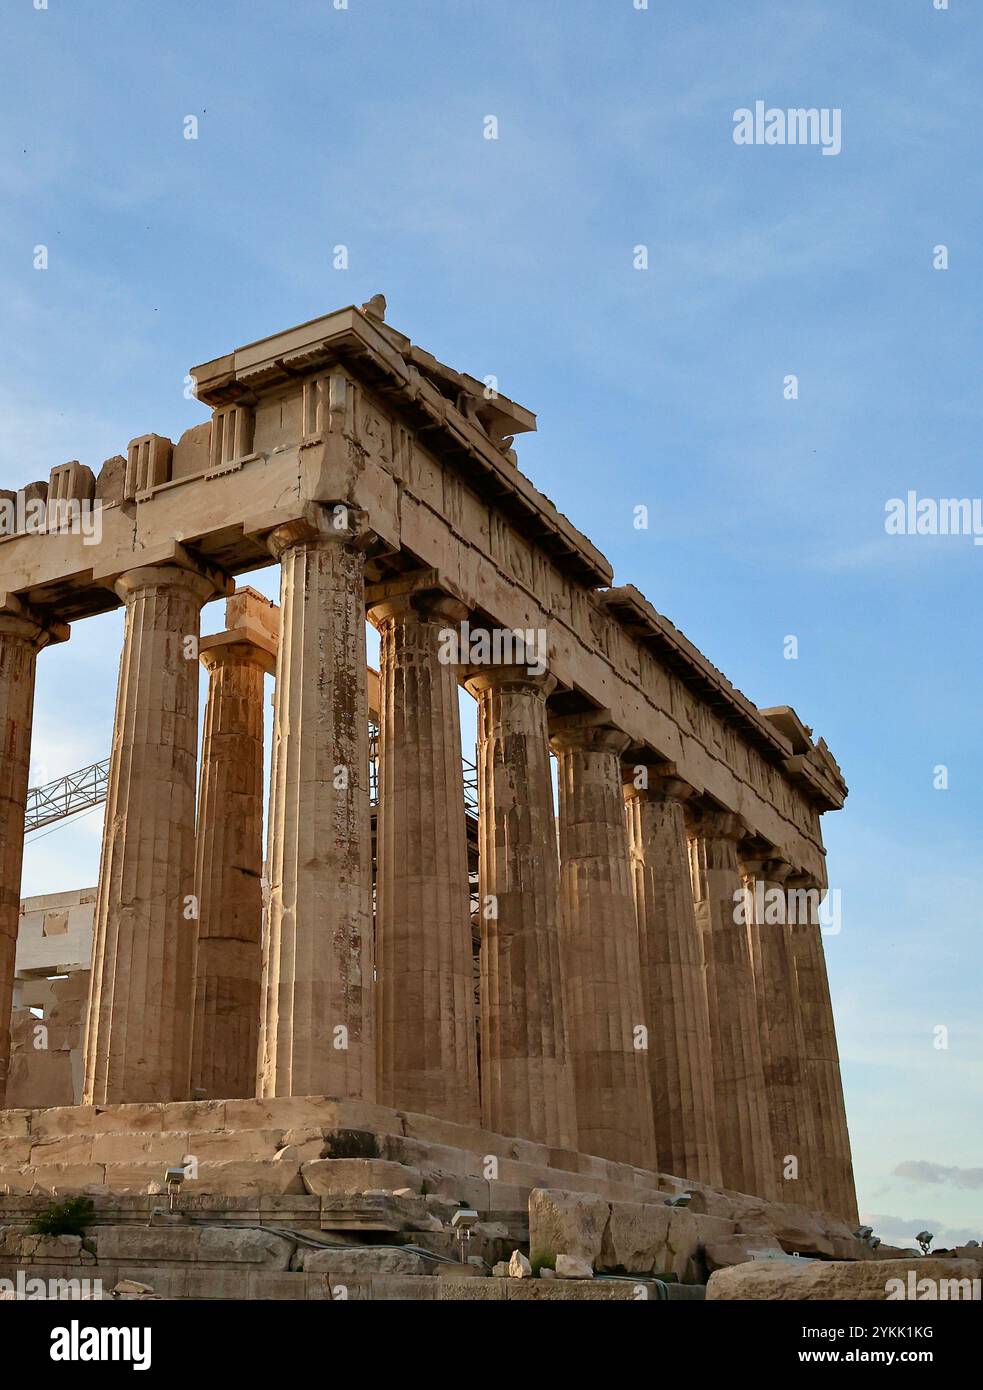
(294, 1146)
(309, 1197)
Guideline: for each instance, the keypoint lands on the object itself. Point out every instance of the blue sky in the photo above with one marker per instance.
(663, 387)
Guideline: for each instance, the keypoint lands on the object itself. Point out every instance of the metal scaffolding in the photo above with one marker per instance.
(66, 795)
(87, 787)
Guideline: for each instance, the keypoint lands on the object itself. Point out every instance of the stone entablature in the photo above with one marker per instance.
(436, 481)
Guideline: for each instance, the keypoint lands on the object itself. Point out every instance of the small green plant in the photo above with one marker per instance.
(68, 1218)
(541, 1262)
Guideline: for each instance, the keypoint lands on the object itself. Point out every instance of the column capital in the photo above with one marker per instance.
(19, 619)
(663, 783)
(714, 823)
(239, 646)
(769, 869)
(593, 731)
(320, 524)
(425, 593)
(798, 881)
(181, 572)
(508, 676)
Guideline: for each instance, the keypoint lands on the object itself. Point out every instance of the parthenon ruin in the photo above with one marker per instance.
(650, 996)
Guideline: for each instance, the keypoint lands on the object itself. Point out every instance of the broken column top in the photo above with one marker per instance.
(252, 621)
(247, 608)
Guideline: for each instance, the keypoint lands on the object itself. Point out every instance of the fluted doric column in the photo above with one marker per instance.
(822, 1059)
(526, 1071)
(22, 635)
(229, 862)
(674, 987)
(138, 1041)
(602, 969)
(746, 1153)
(316, 1026)
(427, 1048)
(780, 1027)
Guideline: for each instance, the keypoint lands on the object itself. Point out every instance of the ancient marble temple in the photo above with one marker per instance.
(647, 872)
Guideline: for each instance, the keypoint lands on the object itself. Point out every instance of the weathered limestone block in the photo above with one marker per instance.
(138, 1044)
(278, 1286)
(368, 1288)
(797, 1231)
(426, 1039)
(747, 1155)
(225, 1245)
(649, 1238)
(636, 1239)
(316, 1028)
(258, 1178)
(231, 1146)
(15, 1124)
(192, 451)
(72, 1148)
(202, 1282)
(736, 1250)
(241, 1245)
(14, 1152)
(356, 1263)
(869, 1281)
(41, 1077)
(568, 1291)
(297, 1111)
(967, 1252)
(111, 481)
(300, 1153)
(601, 965)
(186, 1115)
(416, 1153)
(385, 1211)
(54, 1179)
(571, 1223)
(23, 1248)
(327, 1176)
(165, 1150)
(70, 1121)
(133, 1290)
(568, 1267)
(619, 1236)
(527, 1073)
(680, 1055)
(438, 1131)
(795, 1228)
